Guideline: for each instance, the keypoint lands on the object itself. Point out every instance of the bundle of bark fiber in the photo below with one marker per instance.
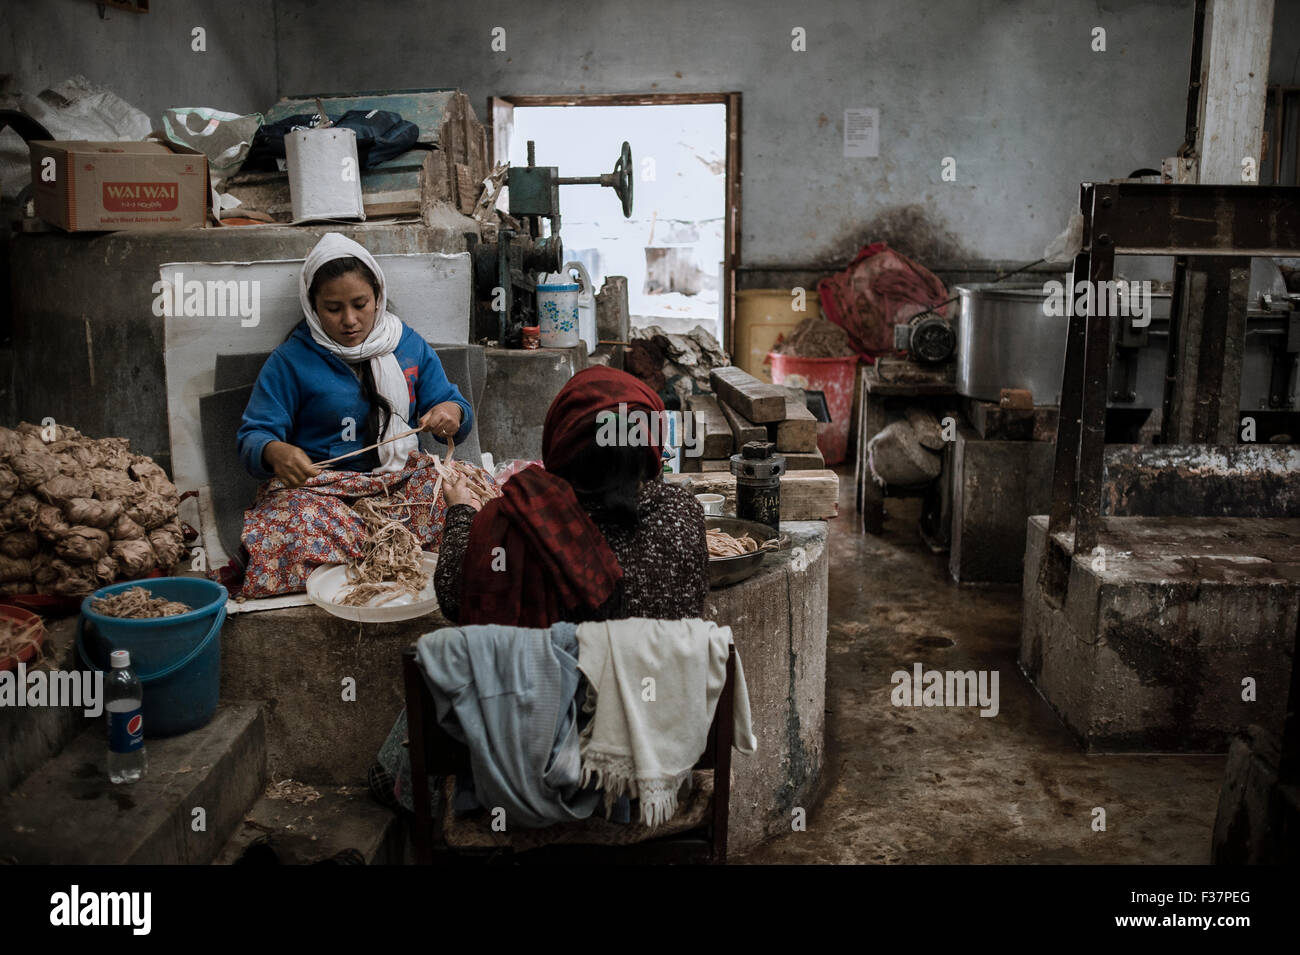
(674, 365)
(77, 513)
(815, 338)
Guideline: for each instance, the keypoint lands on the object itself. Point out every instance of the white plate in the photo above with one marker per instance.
(330, 581)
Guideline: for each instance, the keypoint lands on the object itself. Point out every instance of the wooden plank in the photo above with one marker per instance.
(742, 429)
(813, 461)
(479, 166)
(997, 423)
(617, 99)
(467, 189)
(467, 129)
(712, 432)
(798, 432)
(393, 204)
(449, 145)
(907, 379)
(502, 114)
(697, 465)
(432, 186)
(756, 400)
(732, 225)
(805, 495)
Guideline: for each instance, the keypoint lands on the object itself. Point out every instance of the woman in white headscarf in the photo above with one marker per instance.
(350, 375)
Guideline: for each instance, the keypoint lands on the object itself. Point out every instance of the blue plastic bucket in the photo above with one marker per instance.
(178, 659)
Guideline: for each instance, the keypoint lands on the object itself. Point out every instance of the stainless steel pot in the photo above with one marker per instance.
(1006, 340)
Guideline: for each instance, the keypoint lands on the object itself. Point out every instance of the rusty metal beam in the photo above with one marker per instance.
(1092, 429)
(1066, 468)
(1169, 406)
(1207, 350)
(1233, 480)
(1172, 219)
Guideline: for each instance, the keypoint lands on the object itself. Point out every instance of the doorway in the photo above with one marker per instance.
(679, 248)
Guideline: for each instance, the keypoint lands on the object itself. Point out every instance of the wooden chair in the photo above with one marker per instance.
(433, 752)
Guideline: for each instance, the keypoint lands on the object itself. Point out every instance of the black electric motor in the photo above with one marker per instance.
(926, 338)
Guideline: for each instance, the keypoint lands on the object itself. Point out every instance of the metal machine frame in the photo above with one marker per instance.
(1212, 230)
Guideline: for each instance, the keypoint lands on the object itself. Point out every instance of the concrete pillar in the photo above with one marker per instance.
(1234, 81)
(778, 620)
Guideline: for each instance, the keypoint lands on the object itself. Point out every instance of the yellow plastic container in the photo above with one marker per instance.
(763, 315)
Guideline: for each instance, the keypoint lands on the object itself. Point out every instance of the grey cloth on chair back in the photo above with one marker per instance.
(509, 694)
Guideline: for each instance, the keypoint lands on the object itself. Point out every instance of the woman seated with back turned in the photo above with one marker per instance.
(596, 535)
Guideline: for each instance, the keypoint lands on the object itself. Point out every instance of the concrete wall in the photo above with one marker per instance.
(146, 58)
(1011, 90)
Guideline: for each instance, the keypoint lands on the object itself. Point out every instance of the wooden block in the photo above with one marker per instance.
(805, 495)
(712, 433)
(997, 423)
(756, 400)
(812, 461)
(1018, 398)
(742, 429)
(698, 465)
(798, 432)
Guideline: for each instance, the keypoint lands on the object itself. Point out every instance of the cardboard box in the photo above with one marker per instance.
(89, 187)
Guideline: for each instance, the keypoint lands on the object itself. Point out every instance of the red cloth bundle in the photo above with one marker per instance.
(881, 288)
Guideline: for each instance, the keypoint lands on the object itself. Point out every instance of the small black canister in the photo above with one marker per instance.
(758, 469)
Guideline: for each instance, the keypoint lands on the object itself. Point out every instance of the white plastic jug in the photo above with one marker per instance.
(586, 306)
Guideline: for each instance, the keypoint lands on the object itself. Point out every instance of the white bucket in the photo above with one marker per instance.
(324, 174)
(557, 315)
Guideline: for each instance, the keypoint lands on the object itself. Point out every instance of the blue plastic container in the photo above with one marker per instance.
(178, 659)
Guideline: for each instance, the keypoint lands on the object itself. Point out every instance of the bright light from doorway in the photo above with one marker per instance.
(671, 250)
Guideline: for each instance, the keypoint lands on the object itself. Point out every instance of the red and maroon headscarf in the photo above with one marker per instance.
(556, 559)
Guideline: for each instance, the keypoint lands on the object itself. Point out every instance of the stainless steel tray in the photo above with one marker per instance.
(725, 571)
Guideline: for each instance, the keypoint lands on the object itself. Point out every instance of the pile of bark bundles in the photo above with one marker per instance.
(77, 513)
(743, 409)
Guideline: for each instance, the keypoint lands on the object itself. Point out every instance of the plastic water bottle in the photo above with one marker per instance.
(122, 699)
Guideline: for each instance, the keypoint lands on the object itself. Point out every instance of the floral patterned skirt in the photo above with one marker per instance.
(289, 532)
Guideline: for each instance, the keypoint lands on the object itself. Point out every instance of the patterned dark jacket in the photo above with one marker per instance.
(664, 556)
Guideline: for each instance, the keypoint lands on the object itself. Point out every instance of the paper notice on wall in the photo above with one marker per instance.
(862, 133)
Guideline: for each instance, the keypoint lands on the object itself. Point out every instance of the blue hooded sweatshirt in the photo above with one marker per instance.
(304, 393)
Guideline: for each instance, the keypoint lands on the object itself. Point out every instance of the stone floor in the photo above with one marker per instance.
(943, 784)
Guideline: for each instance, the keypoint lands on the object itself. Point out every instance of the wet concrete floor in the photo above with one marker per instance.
(943, 784)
